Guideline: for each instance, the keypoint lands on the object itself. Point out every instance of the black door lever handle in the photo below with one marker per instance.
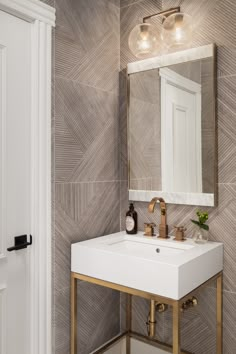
(20, 243)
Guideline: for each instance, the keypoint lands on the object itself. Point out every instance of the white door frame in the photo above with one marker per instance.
(42, 18)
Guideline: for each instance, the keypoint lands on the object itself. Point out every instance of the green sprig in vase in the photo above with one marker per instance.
(201, 233)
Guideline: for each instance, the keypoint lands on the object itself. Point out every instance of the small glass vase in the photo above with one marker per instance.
(200, 235)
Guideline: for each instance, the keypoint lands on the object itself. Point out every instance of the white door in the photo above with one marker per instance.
(15, 183)
(181, 133)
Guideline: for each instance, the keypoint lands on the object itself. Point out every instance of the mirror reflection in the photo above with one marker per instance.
(172, 128)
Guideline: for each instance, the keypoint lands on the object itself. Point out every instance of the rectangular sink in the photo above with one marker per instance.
(163, 267)
(144, 249)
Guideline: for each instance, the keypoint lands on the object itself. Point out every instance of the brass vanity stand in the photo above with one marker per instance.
(176, 306)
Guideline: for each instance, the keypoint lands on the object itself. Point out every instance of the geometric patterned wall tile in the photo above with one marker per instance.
(229, 322)
(124, 3)
(227, 91)
(122, 312)
(214, 19)
(68, 152)
(62, 262)
(208, 160)
(83, 211)
(144, 145)
(98, 316)
(85, 23)
(226, 59)
(216, 26)
(92, 206)
(87, 133)
(123, 126)
(198, 325)
(61, 328)
(86, 150)
(226, 144)
(199, 10)
(124, 203)
(140, 311)
(223, 229)
(87, 42)
(145, 86)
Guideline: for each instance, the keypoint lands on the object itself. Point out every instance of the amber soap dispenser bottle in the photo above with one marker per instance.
(131, 221)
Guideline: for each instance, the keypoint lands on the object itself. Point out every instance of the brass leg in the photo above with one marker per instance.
(219, 303)
(176, 327)
(128, 321)
(152, 322)
(73, 300)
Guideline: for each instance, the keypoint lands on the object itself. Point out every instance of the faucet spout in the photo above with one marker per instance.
(163, 227)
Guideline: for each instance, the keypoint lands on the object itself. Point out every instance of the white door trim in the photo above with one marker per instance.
(3, 151)
(42, 18)
(29, 10)
(180, 80)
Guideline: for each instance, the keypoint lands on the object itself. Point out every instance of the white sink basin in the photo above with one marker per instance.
(163, 267)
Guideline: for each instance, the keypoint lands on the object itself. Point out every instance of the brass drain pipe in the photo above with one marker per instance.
(152, 321)
(154, 308)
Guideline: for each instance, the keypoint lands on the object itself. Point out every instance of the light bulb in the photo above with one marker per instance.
(178, 34)
(143, 40)
(144, 34)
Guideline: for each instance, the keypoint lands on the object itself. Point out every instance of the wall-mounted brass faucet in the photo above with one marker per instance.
(163, 227)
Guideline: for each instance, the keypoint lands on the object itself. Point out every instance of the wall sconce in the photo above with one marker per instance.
(145, 40)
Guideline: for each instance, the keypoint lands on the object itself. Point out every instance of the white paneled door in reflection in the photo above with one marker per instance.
(15, 182)
(180, 133)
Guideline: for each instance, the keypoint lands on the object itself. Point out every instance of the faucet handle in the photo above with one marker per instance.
(149, 229)
(179, 233)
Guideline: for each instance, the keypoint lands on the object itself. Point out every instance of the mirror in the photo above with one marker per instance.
(171, 123)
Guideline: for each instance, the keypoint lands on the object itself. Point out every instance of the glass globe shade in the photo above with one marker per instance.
(177, 30)
(143, 40)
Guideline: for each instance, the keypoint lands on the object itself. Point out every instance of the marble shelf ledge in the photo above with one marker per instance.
(201, 199)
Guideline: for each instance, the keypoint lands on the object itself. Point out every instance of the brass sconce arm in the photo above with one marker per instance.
(165, 13)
